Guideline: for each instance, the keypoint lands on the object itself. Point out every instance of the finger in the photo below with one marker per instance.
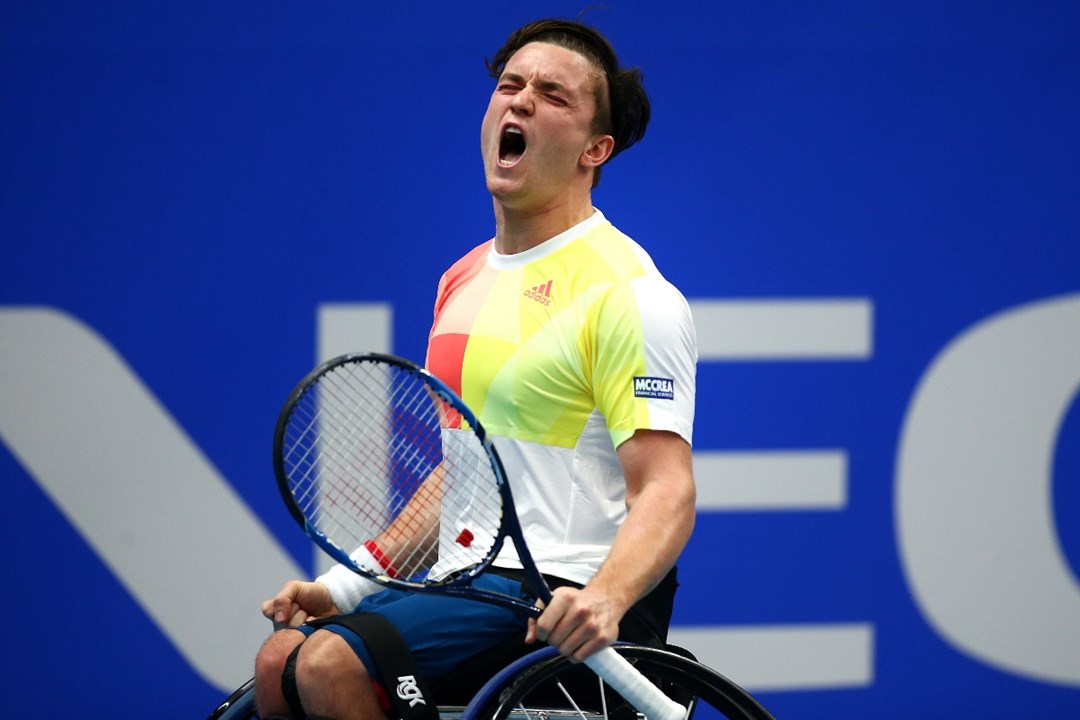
(579, 634)
(284, 608)
(291, 618)
(568, 640)
(298, 618)
(582, 653)
(276, 608)
(549, 620)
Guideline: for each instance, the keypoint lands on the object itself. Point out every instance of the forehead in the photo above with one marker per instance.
(553, 63)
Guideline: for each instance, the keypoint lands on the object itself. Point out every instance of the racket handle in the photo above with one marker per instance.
(633, 686)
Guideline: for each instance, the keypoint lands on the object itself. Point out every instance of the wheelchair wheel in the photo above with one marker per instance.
(238, 706)
(548, 686)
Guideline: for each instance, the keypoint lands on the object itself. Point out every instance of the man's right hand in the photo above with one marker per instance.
(297, 602)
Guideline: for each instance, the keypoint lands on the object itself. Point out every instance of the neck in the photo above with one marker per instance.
(517, 231)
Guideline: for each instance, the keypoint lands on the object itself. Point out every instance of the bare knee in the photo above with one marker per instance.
(332, 681)
(269, 664)
(326, 659)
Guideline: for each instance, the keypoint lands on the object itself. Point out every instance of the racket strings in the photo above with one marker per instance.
(355, 450)
(321, 448)
(367, 457)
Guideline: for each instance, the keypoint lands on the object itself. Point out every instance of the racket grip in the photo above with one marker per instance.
(633, 686)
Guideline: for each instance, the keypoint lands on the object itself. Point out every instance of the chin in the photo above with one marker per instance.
(503, 189)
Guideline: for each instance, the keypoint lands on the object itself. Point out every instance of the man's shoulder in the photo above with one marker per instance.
(475, 256)
(622, 258)
(467, 265)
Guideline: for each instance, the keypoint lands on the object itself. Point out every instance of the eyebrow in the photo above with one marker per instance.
(544, 85)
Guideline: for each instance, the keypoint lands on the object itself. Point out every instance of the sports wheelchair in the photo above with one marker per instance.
(544, 685)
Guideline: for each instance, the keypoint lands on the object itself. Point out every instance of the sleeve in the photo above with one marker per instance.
(645, 372)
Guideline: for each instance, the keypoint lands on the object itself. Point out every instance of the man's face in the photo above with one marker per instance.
(537, 131)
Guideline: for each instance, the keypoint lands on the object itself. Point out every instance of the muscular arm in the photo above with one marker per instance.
(660, 499)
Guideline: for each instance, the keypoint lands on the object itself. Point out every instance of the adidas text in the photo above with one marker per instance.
(541, 293)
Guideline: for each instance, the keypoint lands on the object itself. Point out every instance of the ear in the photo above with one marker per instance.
(598, 151)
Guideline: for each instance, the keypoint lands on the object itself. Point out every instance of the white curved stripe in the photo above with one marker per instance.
(144, 497)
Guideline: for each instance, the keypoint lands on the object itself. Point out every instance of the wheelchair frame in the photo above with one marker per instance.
(538, 687)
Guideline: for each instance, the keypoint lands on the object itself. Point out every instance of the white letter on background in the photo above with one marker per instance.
(140, 492)
(974, 509)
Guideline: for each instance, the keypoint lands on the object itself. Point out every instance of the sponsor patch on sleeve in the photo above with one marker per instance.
(656, 388)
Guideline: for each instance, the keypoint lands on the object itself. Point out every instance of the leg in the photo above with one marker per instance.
(269, 664)
(333, 677)
(332, 681)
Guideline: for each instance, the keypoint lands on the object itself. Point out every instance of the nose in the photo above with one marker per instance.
(522, 102)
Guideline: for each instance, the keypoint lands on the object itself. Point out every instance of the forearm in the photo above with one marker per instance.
(659, 520)
(657, 527)
(660, 517)
(660, 500)
(410, 543)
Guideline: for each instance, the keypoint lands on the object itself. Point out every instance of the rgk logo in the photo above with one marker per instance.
(407, 689)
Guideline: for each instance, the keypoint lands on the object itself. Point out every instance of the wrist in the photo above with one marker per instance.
(371, 557)
(347, 587)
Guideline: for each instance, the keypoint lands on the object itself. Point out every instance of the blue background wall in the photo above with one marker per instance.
(196, 187)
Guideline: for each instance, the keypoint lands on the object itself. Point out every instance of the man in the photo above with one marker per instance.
(578, 358)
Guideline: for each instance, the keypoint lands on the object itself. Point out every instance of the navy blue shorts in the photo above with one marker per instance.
(441, 631)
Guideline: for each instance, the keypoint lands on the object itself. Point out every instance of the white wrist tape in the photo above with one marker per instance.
(347, 587)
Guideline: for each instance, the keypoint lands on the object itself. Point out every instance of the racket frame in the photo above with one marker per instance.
(458, 584)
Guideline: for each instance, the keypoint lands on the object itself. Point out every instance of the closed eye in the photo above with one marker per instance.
(510, 83)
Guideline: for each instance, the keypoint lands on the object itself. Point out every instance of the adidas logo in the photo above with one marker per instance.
(541, 293)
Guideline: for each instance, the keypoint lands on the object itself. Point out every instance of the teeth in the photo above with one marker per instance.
(511, 145)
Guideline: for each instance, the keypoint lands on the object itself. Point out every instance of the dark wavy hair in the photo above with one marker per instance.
(622, 105)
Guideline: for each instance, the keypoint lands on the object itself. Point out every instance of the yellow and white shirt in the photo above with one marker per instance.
(563, 352)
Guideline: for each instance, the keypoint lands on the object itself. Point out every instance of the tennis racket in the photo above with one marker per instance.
(389, 472)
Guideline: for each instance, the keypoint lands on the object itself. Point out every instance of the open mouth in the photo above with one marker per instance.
(511, 145)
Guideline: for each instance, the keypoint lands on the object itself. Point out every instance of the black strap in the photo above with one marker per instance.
(288, 684)
(394, 662)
